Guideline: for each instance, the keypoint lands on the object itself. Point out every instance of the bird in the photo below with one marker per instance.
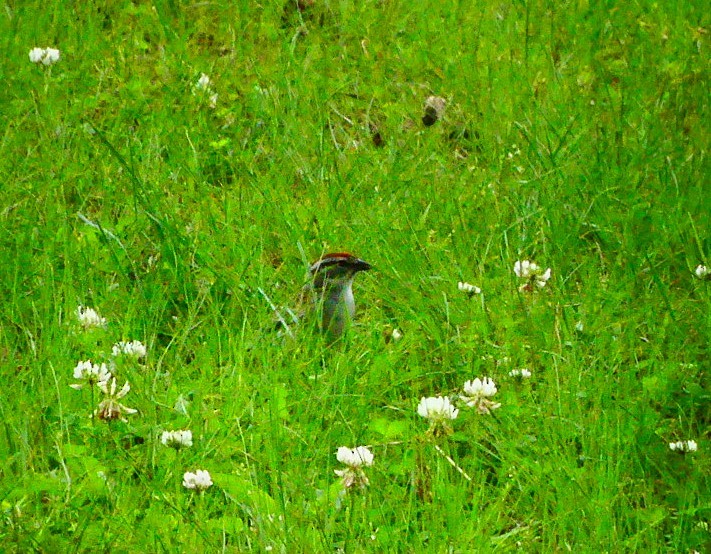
(326, 299)
(330, 292)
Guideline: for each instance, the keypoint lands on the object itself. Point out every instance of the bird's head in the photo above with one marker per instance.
(336, 266)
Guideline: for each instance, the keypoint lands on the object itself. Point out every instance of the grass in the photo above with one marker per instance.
(574, 136)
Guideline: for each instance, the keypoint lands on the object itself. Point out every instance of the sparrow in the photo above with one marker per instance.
(329, 294)
(327, 299)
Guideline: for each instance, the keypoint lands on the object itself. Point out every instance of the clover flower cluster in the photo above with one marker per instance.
(683, 446)
(468, 288)
(89, 374)
(89, 318)
(111, 407)
(45, 56)
(134, 349)
(532, 274)
(478, 394)
(355, 459)
(199, 480)
(437, 408)
(441, 410)
(177, 439)
(520, 374)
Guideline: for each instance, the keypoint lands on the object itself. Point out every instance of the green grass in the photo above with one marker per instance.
(576, 135)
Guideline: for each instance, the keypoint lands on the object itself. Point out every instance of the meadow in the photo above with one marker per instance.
(176, 166)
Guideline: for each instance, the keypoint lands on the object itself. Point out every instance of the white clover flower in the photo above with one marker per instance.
(440, 411)
(36, 55)
(203, 83)
(477, 394)
(522, 373)
(437, 408)
(392, 334)
(90, 374)
(702, 272)
(468, 288)
(355, 459)
(88, 318)
(524, 269)
(683, 446)
(177, 439)
(110, 408)
(51, 56)
(213, 100)
(532, 273)
(135, 349)
(46, 56)
(542, 279)
(200, 480)
(579, 327)
(480, 387)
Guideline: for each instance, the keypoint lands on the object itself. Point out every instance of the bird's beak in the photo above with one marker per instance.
(362, 265)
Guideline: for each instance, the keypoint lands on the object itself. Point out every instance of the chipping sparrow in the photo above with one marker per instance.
(326, 298)
(330, 292)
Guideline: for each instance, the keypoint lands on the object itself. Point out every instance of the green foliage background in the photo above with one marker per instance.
(576, 135)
